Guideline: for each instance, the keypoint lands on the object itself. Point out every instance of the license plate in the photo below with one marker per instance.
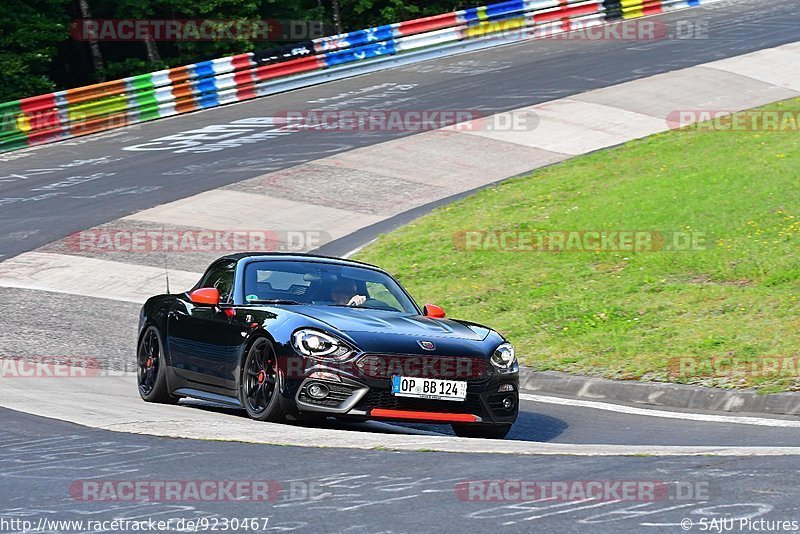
(429, 388)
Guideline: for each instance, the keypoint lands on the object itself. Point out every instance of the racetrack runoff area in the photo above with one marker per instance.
(371, 477)
(436, 164)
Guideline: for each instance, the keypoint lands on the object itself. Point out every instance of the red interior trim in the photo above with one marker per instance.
(423, 416)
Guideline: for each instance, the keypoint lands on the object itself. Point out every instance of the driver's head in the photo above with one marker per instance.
(342, 291)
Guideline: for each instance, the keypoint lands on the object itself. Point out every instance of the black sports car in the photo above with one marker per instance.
(307, 337)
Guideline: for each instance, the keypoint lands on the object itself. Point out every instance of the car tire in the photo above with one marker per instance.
(151, 374)
(482, 431)
(259, 384)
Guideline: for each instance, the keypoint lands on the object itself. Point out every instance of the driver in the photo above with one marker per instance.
(344, 293)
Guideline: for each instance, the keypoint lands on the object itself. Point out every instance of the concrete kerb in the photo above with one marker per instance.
(678, 396)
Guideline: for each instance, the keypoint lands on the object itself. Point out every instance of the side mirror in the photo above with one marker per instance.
(206, 296)
(433, 311)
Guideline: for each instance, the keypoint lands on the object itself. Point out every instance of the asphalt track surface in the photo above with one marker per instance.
(365, 491)
(336, 490)
(53, 191)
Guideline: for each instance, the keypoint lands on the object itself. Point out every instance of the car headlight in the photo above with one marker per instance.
(319, 344)
(504, 359)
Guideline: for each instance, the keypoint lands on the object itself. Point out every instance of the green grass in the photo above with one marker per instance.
(629, 315)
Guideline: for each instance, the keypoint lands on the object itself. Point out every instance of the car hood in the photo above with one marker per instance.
(355, 321)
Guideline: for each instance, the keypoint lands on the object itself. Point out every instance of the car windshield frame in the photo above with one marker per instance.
(364, 274)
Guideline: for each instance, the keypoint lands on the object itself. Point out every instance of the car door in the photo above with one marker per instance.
(203, 340)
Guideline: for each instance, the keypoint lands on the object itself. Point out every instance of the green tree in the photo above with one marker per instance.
(37, 56)
(358, 14)
(124, 59)
(30, 32)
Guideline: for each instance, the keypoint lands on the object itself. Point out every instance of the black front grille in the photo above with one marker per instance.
(380, 398)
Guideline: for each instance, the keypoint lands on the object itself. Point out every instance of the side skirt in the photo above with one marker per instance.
(211, 397)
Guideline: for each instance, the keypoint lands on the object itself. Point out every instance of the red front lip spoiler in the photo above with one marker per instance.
(407, 415)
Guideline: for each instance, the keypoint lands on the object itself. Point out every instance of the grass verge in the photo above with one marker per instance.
(714, 299)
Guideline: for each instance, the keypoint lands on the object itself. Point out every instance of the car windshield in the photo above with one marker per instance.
(323, 284)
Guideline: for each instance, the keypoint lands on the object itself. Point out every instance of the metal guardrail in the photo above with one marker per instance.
(95, 108)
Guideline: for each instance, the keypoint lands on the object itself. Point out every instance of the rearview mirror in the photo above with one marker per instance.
(207, 296)
(433, 311)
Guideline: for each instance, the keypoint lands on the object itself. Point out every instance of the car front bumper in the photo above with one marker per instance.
(363, 398)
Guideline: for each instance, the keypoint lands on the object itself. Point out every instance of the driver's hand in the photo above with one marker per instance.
(358, 300)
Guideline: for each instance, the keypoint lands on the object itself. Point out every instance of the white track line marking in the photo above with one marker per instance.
(730, 419)
(357, 250)
(112, 403)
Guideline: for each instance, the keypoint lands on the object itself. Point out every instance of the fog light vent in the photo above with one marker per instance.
(318, 391)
